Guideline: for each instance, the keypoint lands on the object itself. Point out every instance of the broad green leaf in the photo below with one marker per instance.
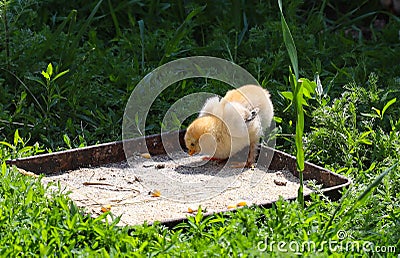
(304, 102)
(67, 141)
(289, 42)
(306, 93)
(278, 119)
(17, 138)
(198, 216)
(62, 204)
(73, 221)
(99, 230)
(44, 234)
(49, 70)
(366, 141)
(143, 246)
(369, 115)
(391, 102)
(29, 196)
(8, 145)
(287, 94)
(43, 250)
(377, 111)
(46, 75)
(24, 150)
(37, 80)
(365, 134)
(60, 74)
(23, 96)
(308, 87)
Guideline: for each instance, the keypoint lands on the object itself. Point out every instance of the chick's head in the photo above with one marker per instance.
(198, 137)
(192, 136)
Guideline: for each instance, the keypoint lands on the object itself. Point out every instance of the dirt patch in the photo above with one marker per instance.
(183, 183)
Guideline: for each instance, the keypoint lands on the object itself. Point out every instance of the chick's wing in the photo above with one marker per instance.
(234, 118)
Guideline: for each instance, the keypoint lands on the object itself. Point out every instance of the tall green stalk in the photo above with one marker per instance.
(298, 103)
(297, 89)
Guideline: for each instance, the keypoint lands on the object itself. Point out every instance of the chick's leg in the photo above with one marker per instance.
(219, 161)
(251, 156)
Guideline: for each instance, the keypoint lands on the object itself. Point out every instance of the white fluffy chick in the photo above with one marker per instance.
(226, 126)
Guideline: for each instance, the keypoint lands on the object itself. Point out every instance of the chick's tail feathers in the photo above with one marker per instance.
(262, 101)
(253, 96)
(213, 106)
(266, 113)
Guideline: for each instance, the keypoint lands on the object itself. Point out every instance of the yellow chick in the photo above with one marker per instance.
(226, 126)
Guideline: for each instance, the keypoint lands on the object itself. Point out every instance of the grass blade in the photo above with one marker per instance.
(244, 30)
(27, 88)
(115, 20)
(141, 29)
(78, 37)
(87, 23)
(180, 33)
(360, 200)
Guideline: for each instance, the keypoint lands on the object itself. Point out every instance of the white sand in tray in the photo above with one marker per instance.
(184, 183)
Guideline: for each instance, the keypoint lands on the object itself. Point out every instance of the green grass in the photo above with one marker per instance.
(351, 122)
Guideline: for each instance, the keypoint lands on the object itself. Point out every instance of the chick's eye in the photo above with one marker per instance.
(192, 144)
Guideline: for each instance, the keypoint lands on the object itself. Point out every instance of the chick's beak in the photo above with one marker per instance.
(191, 152)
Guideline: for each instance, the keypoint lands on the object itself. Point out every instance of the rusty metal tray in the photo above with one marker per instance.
(66, 166)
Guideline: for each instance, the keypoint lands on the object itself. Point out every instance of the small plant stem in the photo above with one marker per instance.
(298, 99)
